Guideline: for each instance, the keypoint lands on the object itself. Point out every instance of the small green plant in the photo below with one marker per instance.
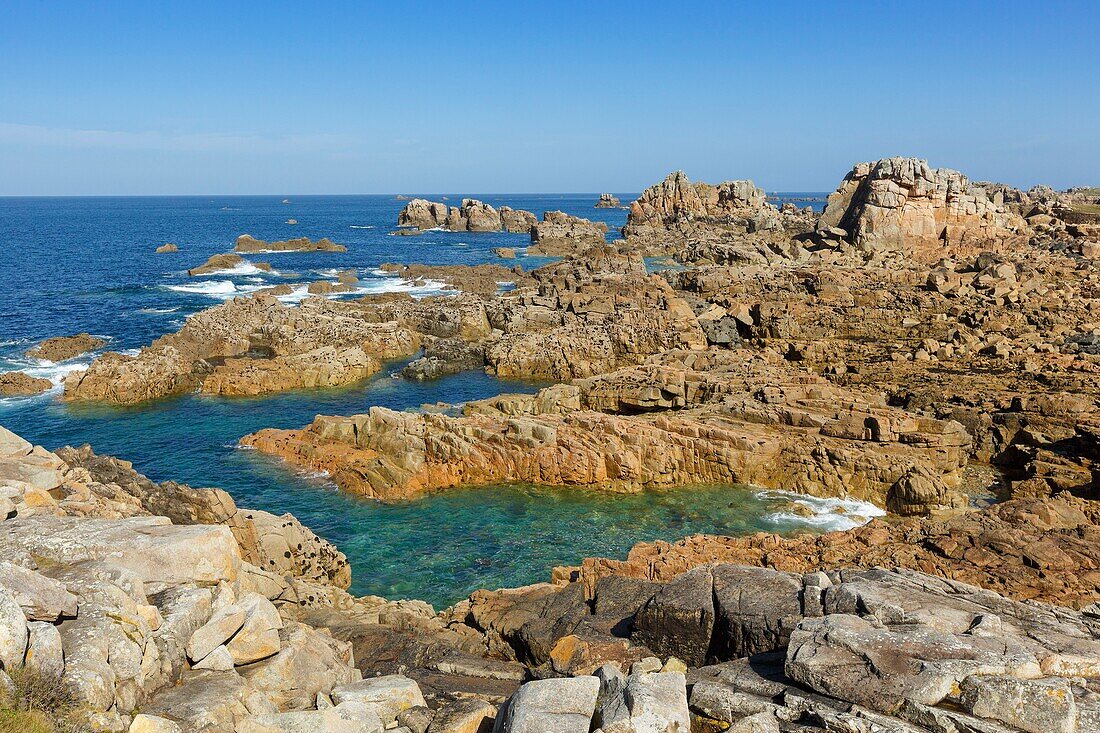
(38, 703)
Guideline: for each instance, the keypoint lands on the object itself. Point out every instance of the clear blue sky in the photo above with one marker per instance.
(226, 97)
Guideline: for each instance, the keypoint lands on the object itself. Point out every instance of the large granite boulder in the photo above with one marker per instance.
(676, 206)
(554, 705)
(562, 234)
(903, 203)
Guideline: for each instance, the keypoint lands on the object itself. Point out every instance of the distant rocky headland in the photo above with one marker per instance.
(926, 343)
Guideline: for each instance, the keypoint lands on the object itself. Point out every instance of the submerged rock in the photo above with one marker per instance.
(248, 243)
(61, 348)
(20, 384)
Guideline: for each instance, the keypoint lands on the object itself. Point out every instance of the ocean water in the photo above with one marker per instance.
(87, 264)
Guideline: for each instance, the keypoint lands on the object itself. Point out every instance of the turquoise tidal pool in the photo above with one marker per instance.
(88, 264)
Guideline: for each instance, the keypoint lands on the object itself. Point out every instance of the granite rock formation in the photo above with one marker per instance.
(561, 234)
(904, 203)
(471, 216)
(678, 206)
(607, 201)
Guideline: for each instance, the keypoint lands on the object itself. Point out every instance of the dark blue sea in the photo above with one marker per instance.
(88, 264)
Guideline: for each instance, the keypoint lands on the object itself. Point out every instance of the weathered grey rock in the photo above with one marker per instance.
(462, 716)
(310, 662)
(761, 723)
(550, 706)
(153, 548)
(183, 610)
(854, 659)
(390, 694)
(648, 664)
(214, 633)
(348, 717)
(651, 703)
(40, 597)
(44, 651)
(258, 636)
(13, 631)
(1037, 706)
(219, 660)
(143, 723)
(725, 703)
(416, 719)
(757, 608)
(205, 702)
(679, 619)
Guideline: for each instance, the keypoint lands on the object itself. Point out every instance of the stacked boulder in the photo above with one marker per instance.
(561, 234)
(904, 204)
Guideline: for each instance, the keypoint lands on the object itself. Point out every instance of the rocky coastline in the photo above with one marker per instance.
(928, 344)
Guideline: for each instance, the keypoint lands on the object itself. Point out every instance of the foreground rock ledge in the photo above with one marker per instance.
(234, 621)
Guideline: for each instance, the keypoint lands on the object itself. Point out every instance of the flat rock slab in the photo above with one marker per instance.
(391, 694)
(151, 547)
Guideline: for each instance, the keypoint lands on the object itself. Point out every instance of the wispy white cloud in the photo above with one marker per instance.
(218, 142)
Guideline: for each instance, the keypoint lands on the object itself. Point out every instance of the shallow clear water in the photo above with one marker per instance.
(87, 264)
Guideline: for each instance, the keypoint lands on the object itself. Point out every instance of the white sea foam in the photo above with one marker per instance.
(213, 288)
(53, 371)
(829, 514)
(334, 272)
(241, 268)
(158, 311)
(357, 226)
(417, 289)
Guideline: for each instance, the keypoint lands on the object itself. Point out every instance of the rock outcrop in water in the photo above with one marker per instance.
(471, 216)
(223, 262)
(21, 384)
(248, 243)
(607, 201)
(61, 348)
(167, 249)
(248, 346)
(217, 619)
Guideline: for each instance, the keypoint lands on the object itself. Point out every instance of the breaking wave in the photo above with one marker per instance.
(827, 514)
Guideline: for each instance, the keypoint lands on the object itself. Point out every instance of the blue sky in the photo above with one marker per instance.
(194, 97)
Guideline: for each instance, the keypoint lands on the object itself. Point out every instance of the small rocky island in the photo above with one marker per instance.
(926, 343)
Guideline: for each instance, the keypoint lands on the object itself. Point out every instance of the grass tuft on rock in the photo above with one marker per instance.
(37, 703)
